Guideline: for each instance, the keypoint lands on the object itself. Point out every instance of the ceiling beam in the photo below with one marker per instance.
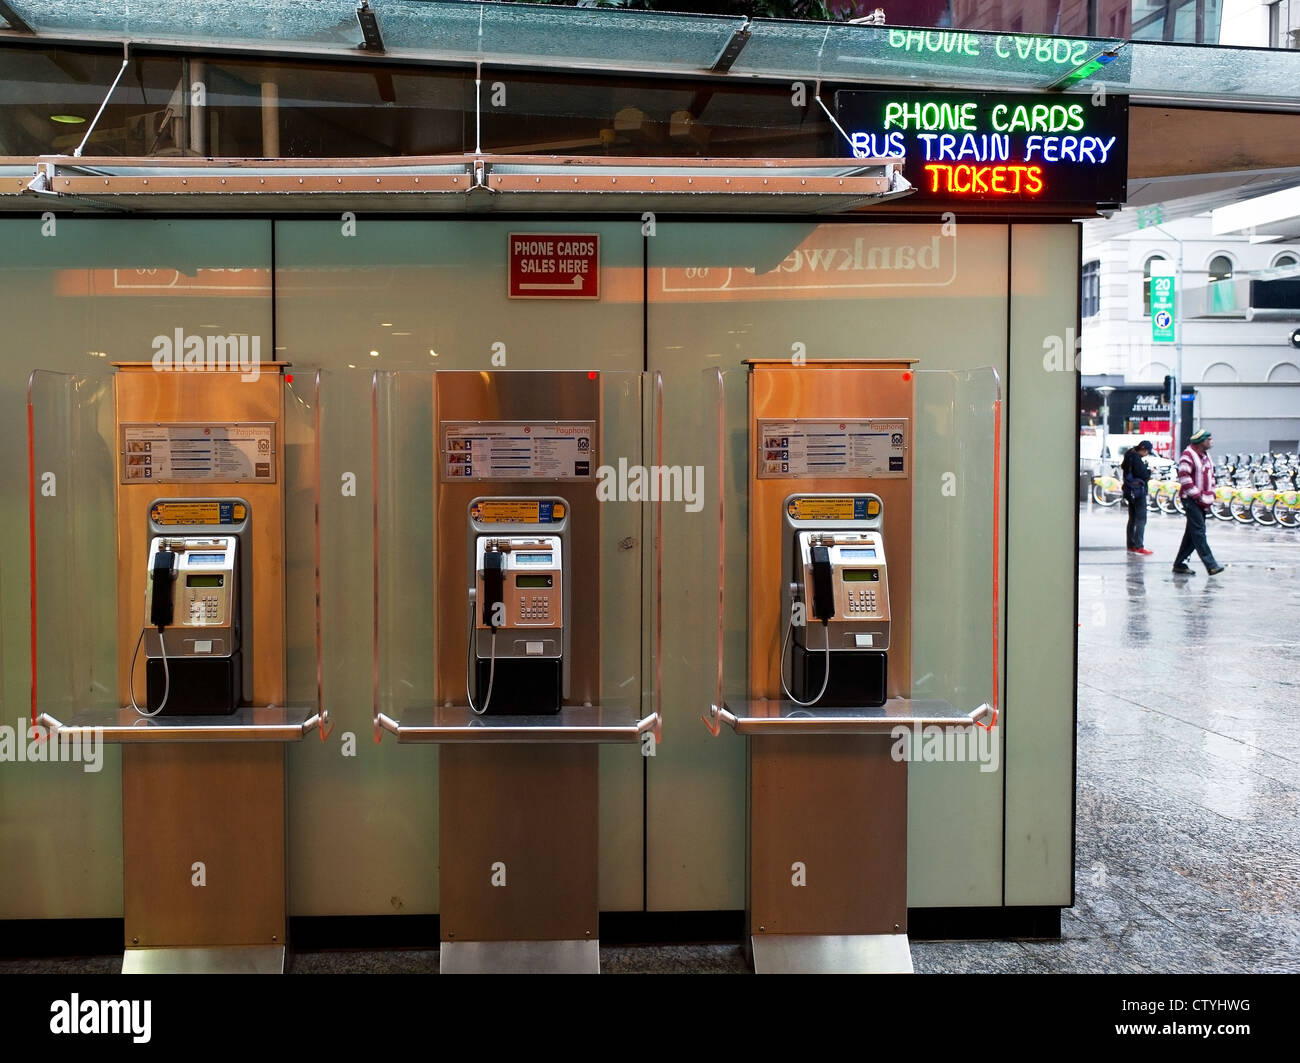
(1181, 142)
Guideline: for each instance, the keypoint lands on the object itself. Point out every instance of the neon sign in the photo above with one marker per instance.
(995, 146)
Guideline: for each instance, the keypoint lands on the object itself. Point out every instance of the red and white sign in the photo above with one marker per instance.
(554, 265)
(1159, 431)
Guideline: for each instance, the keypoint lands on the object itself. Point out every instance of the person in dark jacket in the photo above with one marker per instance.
(1135, 474)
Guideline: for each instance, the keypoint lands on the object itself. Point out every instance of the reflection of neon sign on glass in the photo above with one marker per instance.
(1053, 51)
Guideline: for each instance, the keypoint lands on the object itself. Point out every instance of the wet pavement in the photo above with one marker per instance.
(1188, 804)
(1188, 814)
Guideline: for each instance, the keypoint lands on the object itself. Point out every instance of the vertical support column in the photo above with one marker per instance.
(195, 94)
(270, 119)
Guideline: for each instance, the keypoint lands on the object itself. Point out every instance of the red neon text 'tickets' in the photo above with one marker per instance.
(1003, 180)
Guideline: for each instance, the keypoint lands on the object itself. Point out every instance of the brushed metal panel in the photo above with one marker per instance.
(838, 806)
(533, 809)
(574, 723)
(238, 959)
(519, 957)
(786, 717)
(780, 390)
(831, 954)
(250, 723)
(141, 393)
(515, 396)
(221, 803)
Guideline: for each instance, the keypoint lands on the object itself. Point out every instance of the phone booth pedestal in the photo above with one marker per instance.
(518, 819)
(522, 553)
(831, 450)
(203, 857)
(203, 797)
(518, 829)
(827, 854)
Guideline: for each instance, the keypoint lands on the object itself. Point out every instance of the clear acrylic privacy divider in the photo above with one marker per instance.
(953, 602)
(414, 695)
(303, 570)
(631, 536)
(405, 548)
(72, 469)
(652, 613)
(720, 412)
(71, 462)
(725, 398)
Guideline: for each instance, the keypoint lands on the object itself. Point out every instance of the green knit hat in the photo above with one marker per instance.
(1201, 435)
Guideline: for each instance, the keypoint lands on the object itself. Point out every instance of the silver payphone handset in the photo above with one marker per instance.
(191, 591)
(838, 601)
(517, 632)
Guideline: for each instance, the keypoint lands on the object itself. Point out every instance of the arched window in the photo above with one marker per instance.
(1286, 258)
(1219, 373)
(1284, 373)
(1220, 269)
(1220, 293)
(1146, 283)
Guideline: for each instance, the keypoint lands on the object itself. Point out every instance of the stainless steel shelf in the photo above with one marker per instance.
(770, 716)
(573, 723)
(253, 723)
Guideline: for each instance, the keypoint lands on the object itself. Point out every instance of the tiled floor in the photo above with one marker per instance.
(1188, 833)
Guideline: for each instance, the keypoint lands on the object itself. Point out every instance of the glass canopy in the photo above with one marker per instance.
(455, 31)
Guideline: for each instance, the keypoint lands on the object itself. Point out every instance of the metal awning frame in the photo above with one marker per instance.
(468, 182)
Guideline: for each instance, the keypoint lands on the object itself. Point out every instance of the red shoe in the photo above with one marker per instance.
(1143, 550)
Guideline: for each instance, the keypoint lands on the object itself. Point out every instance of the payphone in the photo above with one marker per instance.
(518, 637)
(836, 601)
(191, 629)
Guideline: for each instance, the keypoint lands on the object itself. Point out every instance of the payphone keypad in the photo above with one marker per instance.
(536, 607)
(862, 603)
(532, 577)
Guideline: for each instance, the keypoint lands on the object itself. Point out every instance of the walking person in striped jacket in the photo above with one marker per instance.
(1196, 489)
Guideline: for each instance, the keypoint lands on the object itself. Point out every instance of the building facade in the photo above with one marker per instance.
(1246, 373)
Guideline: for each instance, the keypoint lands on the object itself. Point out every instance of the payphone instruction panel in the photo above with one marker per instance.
(518, 450)
(220, 452)
(826, 447)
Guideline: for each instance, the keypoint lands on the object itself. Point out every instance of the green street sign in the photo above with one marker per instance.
(1162, 308)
